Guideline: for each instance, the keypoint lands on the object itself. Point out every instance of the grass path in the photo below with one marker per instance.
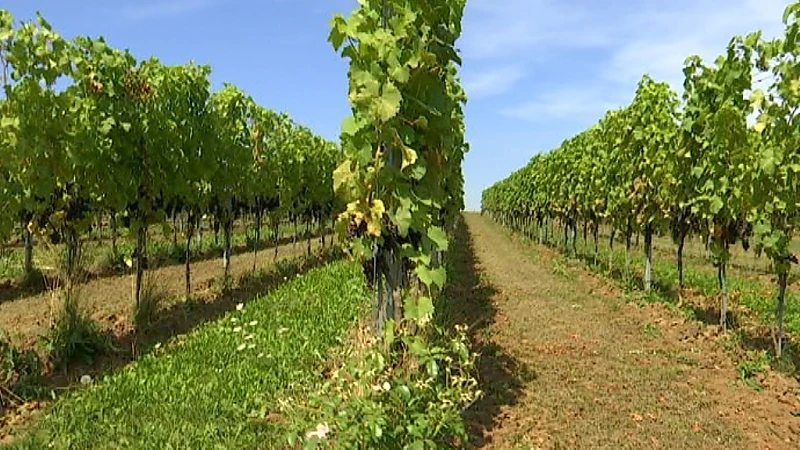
(108, 301)
(204, 389)
(568, 364)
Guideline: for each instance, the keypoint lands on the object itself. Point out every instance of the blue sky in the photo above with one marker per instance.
(536, 71)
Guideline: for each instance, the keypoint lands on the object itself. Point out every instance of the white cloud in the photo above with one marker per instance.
(602, 48)
(659, 40)
(492, 82)
(496, 29)
(166, 8)
(569, 102)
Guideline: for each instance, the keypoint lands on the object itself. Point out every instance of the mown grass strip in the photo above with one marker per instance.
(201, 390)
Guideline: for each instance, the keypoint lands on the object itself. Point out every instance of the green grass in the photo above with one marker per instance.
(756, 363)
(202, 389)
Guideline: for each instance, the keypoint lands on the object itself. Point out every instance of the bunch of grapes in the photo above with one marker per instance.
(356, 229)
(136, 87)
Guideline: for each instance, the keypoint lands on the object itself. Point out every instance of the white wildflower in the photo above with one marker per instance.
(320, 433)
(241, 347)
(86, 379)
(386, 386)
(253, 323)
(240, 306)
(237, 329)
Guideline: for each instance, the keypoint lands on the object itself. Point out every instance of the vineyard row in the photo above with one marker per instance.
(88, 132)
(680, 165)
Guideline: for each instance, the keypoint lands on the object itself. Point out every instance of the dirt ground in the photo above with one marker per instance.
(567, 363)
(109, 300)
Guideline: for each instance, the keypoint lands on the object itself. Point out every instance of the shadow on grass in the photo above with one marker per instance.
(181, 318)
(468, 300)
(38, 283)
(789, 361)
(27, 285)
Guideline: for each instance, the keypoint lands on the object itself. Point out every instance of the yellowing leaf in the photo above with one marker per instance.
(9, 122)
(375, 217)
(757, 97)
(342, 175)
(794, 86)
(378, 208)
(409, 156)
(374, 228)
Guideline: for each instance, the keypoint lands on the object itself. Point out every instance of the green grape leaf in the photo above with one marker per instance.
(410, 308)
(716, 205)
(424, 307)
(418, 171)
(388, 332)
(107, 125)
(439, 237)
(429, 277)
(338, 31)
(768, 161)
(388, 104)
(399, 73)
(402, 218)
(350, 126)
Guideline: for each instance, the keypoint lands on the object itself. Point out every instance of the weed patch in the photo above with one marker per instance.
(20, 373)
(365, 402)
(152, 299)
(756, 363)
(74, 335)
